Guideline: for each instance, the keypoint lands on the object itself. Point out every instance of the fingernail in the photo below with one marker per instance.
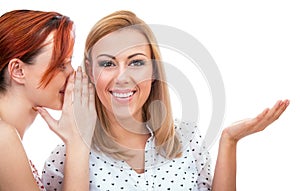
(39, 109)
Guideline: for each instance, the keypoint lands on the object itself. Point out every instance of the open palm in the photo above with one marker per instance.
(246, 127)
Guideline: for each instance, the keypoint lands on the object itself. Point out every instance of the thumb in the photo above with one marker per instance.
(52, 123)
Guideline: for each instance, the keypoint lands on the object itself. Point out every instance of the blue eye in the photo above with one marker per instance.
(137, 63)
(106, 63)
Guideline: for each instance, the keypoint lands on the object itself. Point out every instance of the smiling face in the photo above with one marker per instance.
(122, 73)
(52, 95)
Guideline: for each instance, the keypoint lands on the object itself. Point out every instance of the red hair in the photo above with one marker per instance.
(22, 36)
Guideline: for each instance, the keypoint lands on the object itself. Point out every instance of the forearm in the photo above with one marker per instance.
(225, 170)
(76, 169)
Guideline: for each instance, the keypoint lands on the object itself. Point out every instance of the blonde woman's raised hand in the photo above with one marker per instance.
(79, 116)
(245, 127)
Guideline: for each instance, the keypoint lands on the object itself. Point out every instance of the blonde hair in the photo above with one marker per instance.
(158, 116)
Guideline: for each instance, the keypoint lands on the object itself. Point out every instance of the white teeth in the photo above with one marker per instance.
(122, 95)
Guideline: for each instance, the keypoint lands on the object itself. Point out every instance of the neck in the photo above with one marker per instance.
(16, 111)
(130, 132)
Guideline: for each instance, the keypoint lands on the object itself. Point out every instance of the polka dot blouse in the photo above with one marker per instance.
(189, 172)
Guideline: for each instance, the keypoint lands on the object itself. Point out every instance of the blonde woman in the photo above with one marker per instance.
(137, 145)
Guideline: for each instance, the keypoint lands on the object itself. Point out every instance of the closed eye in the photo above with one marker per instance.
(62, 66)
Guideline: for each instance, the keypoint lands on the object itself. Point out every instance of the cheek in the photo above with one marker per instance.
(98, 74)
(100, 86)
(143, 76)
(101, 83)
(58, 81)
(145, 88)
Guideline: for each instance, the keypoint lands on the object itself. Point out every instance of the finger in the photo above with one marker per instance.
(77, 85)
(273, 114)
(251, 121)
(283, 105)
(91, 97)
(267, 116)
(277, 110)
(85, 90)
(262, 116)
(68, 97)
(276, 106)
(52, 123)
(258, 123)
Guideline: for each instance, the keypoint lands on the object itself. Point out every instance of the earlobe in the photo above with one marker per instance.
(89, 71)
(16, 70)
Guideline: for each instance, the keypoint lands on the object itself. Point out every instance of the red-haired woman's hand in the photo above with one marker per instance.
(79, 116)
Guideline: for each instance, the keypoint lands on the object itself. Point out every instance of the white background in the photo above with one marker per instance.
(256, 45)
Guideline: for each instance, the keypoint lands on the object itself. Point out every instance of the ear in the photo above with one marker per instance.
(16, 70)
(89, 71)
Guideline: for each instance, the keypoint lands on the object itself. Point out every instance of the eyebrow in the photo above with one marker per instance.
(136, 54)
(107, 55)
(113, 57)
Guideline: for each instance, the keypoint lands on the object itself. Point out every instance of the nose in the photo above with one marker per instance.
(69, 70)
(123, 75)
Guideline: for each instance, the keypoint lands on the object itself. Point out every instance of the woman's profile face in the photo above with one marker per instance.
(122, 72)
(52, 95)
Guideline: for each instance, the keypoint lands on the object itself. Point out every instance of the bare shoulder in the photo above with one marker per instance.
(14, 163)
(9, 136)
(10, 143)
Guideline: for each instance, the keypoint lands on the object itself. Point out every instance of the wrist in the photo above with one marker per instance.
(76, 137)
(77, 144)
(227, 138)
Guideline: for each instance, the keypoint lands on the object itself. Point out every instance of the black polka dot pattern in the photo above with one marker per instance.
(189, 172)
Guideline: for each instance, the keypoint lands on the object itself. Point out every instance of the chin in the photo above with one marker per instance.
(123, 115)
(56, 106)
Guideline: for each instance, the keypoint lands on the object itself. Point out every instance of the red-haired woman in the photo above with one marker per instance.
(36, 72)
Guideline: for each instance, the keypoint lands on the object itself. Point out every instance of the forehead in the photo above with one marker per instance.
(119, 41)
(46, 51)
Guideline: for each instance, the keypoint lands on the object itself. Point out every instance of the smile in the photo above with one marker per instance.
(122, 94)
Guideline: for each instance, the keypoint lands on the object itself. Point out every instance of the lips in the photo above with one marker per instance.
(62, 90)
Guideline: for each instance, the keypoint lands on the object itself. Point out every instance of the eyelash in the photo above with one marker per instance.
(62, 66)
(137, 62)
(108, 63)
